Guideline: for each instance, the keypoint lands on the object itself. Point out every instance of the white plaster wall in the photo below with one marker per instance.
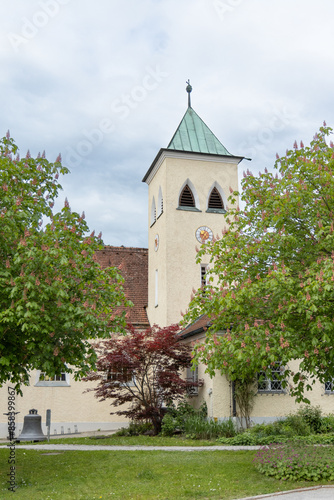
(69, 407)
(176, 257)
(217, 392)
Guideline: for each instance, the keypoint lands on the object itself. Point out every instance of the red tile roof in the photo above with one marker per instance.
(133, 265)
(200, 325)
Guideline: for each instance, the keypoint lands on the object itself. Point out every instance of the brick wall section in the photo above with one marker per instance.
(133, 265)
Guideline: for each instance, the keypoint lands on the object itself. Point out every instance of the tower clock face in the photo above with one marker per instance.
(204, 234)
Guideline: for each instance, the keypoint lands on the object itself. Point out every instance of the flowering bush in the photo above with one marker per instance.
(295, 461)
(270, 282)
(54, 295)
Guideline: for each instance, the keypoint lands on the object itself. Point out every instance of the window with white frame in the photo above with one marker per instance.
(271, 382)
(188, 197)
(59, 380)
(192, 376)
(329, 387)
(216, 200)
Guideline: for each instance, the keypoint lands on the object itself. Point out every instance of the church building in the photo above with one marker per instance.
(188, 187)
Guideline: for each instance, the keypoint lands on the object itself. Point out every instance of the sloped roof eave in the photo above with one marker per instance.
(200, 325)
(181, 151)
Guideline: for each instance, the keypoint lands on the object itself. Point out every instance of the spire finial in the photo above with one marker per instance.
(189, 89)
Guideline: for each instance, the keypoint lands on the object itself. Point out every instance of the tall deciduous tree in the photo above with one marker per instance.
(143, 371)
(54, 296)
(273, 300)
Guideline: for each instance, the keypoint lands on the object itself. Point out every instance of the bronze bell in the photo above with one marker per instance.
(32, 428)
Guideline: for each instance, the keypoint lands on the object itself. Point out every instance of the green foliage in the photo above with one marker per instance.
(295, 425)
(311, 415)
(198, 428)
(135, 429)
(295, 461)
(249, 439)
(54, 296)
(270, 291)
(194, 424)
(270, 429)
(327, 424)
(176, 416)
(169, 425)
(184, 410)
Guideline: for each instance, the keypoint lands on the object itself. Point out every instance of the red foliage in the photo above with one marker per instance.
(142, 370)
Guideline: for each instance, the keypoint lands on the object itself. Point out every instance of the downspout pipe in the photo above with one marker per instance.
(234, 403)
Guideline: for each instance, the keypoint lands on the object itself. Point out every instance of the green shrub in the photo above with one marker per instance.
(296, 462)
(327, 424)
(296, 425)
(270, 429)
(176, 417)
(135, 429)
(198, 428)
(312, 415)
(182, 411)
(169, 425)
(249, 439)
(194, 424)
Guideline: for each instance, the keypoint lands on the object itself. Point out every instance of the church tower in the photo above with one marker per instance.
(189, 185)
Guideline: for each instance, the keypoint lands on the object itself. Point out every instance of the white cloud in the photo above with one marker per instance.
(262, 74)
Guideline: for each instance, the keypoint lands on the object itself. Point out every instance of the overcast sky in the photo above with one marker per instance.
(103, 83)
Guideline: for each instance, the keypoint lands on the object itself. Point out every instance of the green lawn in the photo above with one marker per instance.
(133, 440)
(136, 475)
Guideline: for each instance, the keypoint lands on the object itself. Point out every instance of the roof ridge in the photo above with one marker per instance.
(123, 248)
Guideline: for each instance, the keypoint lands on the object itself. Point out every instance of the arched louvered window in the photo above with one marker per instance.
(215, 200)
(187, 198)
(153, 212)
(160, 207)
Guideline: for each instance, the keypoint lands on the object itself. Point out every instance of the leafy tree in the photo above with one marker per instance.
(142, 368)
(271, 292)
(54, 296)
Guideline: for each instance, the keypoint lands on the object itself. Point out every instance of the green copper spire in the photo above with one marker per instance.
(194, 135)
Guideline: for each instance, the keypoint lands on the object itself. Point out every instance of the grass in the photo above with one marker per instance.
(133, 440)
(138, 475)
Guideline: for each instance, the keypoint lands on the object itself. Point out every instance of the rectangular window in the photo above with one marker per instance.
(119, 374)
(156, 288)
(272, 384)
(329, 387)
(57, 378)
(192, 376)
(204, 269)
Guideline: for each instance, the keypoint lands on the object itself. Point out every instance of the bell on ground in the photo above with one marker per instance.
(32, 428)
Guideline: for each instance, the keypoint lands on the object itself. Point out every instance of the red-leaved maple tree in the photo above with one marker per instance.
(141, 372)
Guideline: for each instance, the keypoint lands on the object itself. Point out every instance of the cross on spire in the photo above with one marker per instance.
(189, 89)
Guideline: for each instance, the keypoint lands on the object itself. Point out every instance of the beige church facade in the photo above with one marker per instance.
(188, 187)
